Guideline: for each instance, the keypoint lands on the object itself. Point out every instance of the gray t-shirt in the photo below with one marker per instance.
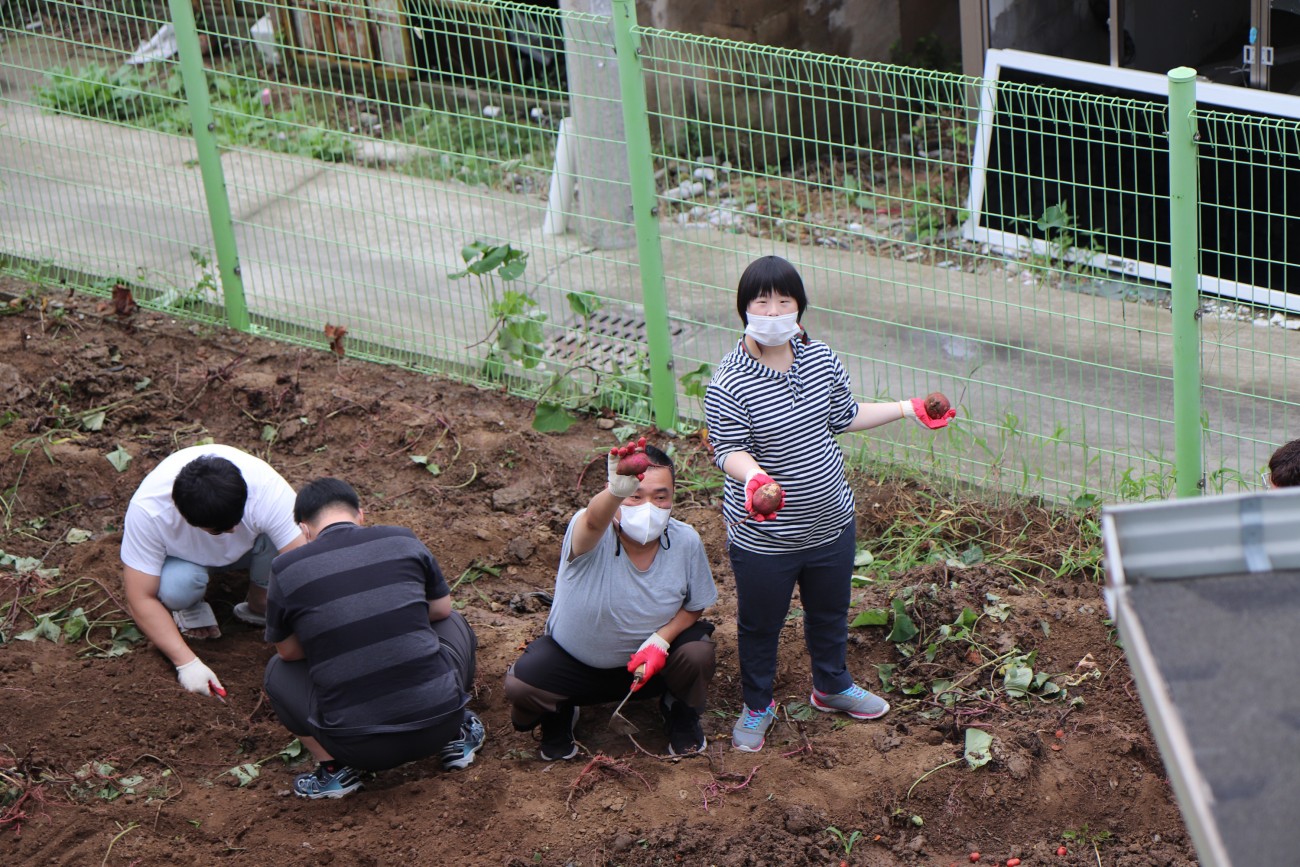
(605, 607)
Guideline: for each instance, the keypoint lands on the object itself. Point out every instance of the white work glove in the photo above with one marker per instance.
(619, 485)
(197, 677)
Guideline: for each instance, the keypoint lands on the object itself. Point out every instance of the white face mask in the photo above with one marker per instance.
(773, 330)
(643, 523)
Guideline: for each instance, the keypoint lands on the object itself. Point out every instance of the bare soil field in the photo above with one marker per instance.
(105, 759)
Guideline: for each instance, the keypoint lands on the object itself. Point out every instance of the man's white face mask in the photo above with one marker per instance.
(643, 523)
(773, 330)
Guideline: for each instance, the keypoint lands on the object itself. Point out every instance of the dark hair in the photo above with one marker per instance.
(318, 495)
(210, 494)
(1285, 465)
(765, 276)
(660, 459)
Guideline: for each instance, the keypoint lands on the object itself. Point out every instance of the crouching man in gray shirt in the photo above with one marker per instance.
(631, 586)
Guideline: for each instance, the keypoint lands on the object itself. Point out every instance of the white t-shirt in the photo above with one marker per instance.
(155, 529)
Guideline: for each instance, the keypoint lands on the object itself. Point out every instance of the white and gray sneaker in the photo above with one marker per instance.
(854, 701)
(750, 730)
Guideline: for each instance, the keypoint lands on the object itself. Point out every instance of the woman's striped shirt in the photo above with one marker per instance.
(787, 422)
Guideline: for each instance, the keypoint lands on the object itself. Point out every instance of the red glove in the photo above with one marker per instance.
(756, 481)
(652, 655)
(915, 409)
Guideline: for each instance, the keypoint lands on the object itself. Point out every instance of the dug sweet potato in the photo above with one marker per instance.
(936, 405)
(767, 499)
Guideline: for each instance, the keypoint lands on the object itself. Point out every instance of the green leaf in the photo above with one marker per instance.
(292, 751)
(127, 634)
(142, 384)
(76, 625)
(76, 535)
(871, 617)
(269, 433)
(978, 744)
(493, 257)
(552, 418)
(863, 557)
(423, 460)
(999, 612)
(885, 671)
(245, 773)
(972, 555)
(583, 303)
(1017, 679)
(904, 629)
(120, 458)
(800, 710)
(966, 619)
(94, 421)
(512, 270)
(1055, 217)
(45, 628)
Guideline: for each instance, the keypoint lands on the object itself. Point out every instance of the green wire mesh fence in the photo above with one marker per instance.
(448, 184)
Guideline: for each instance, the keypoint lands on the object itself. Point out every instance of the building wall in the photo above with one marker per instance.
(1061, 28)
(861, 29)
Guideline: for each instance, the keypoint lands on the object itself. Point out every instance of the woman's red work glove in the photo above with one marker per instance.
(757, 480)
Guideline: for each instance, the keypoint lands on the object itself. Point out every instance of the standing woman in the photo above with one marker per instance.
(773, 408)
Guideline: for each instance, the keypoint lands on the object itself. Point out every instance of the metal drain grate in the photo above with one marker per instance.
(611, 342)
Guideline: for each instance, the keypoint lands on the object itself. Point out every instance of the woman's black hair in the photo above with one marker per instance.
(769, 275)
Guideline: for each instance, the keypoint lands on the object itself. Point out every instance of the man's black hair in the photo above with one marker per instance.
(660, 459)
(318, 495)
(1285, 465)
(769, 275)
(210, 494)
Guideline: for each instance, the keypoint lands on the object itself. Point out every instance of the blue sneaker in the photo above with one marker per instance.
(854, 701)
(322, 783)
(750, 730)
(460, 754)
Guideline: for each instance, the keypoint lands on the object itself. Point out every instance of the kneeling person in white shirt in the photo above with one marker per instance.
(205, 507)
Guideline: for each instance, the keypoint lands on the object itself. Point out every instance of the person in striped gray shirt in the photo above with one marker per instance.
(774, 407)
(372, 665)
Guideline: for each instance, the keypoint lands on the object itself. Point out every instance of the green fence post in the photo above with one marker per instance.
(1184, 268)
(645, 211)
(214, 179)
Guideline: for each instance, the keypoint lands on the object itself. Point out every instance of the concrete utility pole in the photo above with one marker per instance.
(604, 185)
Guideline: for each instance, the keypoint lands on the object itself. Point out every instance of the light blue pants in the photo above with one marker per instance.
(184, 584)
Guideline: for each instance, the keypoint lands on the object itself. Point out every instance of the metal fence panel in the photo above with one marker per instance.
(373, 149)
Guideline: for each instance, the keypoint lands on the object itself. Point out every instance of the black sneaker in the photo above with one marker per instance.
(557, 734)
(324, 783)
(682, 725)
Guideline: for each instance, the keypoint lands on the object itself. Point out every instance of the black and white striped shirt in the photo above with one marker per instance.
(787, 422)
